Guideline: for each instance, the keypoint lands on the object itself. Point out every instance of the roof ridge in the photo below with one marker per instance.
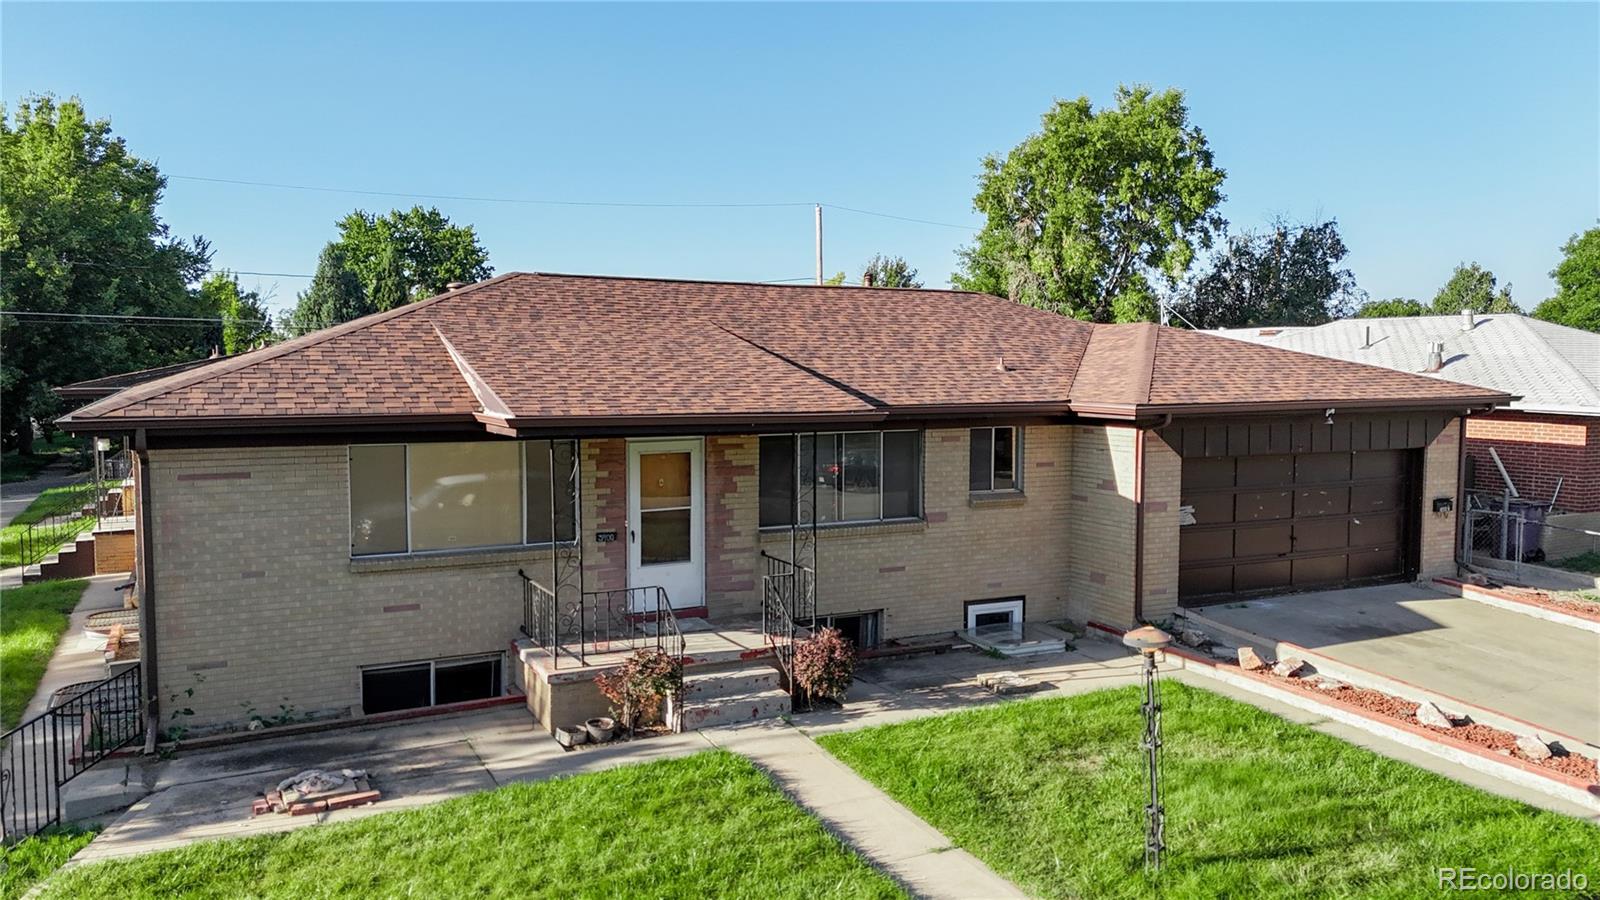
(762, 284)
(201, 374)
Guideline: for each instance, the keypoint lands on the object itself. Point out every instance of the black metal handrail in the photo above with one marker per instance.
(77, 509)
(788, 599)
(42, 754)
(623, 619)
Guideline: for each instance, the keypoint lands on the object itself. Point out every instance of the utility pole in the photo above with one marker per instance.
(819, 243)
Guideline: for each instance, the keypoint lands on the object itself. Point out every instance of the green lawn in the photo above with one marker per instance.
(1050, 793)
(32, 618)
(16, 467)
(709, 825)
(30, 861)
(1584, 562)
(51, 501)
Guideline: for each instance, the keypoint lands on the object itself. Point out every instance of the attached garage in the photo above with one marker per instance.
(1277, 507)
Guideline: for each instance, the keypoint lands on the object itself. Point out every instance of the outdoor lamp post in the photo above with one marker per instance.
(1150, 640)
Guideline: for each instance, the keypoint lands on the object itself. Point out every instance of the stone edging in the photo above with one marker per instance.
(1506, 768)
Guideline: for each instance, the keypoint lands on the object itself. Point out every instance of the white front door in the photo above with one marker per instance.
(666, 521)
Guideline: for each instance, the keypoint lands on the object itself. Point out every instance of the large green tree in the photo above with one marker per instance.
(412, 254)
(79, 234)
(1392, 308)
(1473, 287)
(335, 295)
(245, 319)
(1084, 215)
(1577, 300)
(1285, 275)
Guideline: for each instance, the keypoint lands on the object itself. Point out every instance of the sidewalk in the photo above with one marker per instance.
(891, 836)
(78, 658)
(15, 497)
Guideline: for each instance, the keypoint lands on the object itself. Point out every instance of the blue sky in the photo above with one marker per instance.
(1434, 133)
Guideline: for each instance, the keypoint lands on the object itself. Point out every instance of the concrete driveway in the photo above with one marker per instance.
(1537, 671)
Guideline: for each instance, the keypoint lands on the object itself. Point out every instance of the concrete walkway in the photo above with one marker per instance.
(1538, 671)
(898, 842)
(78, 658)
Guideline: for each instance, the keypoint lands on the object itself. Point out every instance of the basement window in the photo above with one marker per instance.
(860, 629)
(1002, 614)
(995, 459)
(432, 683)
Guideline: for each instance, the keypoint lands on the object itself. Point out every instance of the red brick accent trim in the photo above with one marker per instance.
(936, 517)
(214, 476)
(885, 570)
(402, 607)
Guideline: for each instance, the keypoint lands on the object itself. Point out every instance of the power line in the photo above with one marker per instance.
(461, 197)
(120, 318)
(697, 204)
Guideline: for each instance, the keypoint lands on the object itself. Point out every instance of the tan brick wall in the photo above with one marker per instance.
(113, 552)
(1440, 471)
(256, 593)
(1100, 524)
(1163, 491)
(921, 574)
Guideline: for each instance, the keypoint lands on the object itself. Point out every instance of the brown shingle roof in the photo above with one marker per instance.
(537, 348)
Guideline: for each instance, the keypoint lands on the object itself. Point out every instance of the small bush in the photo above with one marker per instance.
(824, 664)
(640, 683)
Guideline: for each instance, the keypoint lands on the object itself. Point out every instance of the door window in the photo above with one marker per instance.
(665, 507)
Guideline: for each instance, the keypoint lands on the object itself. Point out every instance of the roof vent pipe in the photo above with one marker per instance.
(1468, 319)
(1435, 356)
(455, 285)
(866, 278)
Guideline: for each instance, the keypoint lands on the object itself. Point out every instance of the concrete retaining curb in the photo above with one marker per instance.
(1505, 768)
(1496, 598)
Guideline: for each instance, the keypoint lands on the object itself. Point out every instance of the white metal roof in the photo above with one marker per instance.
(1552, 367)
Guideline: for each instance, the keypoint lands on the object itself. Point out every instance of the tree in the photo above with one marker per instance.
(1288, 275)
(1095, 205)
(245, 320)
(891, 272)
(335, 295)
(79, 233)
(388, 288)
(1392, 308)
(1472, 287)
(428, 251)
(1577, 300)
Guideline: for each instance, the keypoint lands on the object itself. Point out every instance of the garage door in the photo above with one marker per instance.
(1293, 522)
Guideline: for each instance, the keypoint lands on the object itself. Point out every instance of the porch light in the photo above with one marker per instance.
(1149, 641)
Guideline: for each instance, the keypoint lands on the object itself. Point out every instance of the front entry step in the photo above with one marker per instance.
(742, 692)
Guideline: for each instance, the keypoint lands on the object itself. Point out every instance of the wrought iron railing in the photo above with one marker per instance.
(73, 511)
(595, 622)
(40, 756)
(788, 605)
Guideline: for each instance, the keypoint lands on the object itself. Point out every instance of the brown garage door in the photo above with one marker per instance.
(1293, 522)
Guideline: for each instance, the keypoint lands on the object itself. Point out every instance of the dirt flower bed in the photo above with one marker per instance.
(1389, 706)
(1573, 603)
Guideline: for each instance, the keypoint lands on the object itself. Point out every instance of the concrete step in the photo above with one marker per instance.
(736, 708)
(730, 682)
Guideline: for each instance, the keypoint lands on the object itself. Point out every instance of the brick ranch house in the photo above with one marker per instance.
(510, 482)
(1549, 437)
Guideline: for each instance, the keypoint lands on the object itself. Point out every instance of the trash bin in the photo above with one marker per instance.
(1533, 513)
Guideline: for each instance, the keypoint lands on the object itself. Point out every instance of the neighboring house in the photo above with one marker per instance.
(336, 524)
(1550, 435)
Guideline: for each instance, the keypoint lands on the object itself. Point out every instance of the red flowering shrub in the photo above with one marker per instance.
(824, 664)
(640, 684)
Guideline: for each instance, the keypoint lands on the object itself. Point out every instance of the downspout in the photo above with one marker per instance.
(144, 574)
(1461, 489)
(1138, 524)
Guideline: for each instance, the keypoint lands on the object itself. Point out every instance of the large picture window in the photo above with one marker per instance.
(995, 459)
(414, 498)
(860, 476)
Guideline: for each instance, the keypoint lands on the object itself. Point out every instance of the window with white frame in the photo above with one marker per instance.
(860, 476)
(1002, 613)
(414, 498)
(996, 459)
